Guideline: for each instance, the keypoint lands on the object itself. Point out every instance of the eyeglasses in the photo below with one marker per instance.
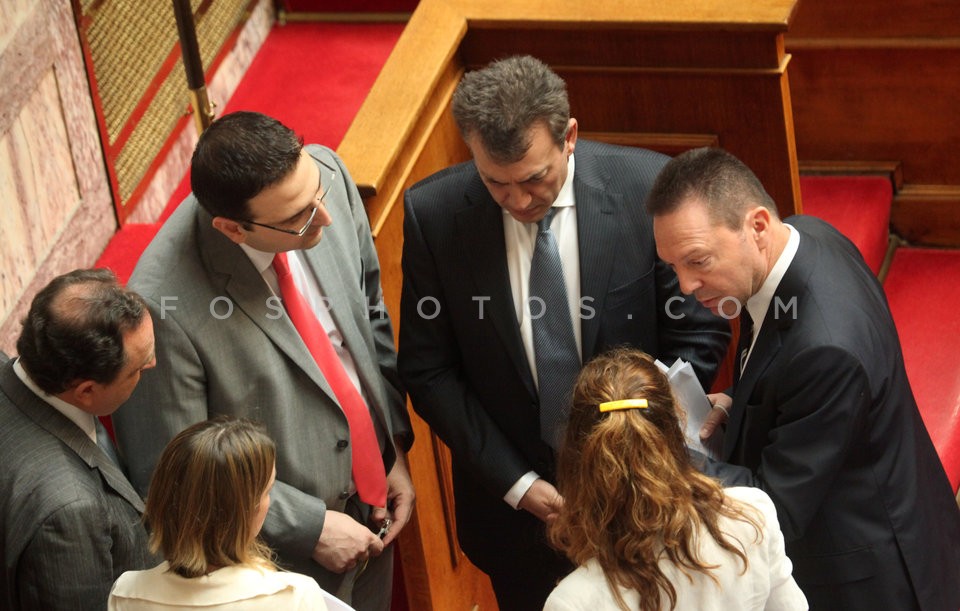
(299, 233)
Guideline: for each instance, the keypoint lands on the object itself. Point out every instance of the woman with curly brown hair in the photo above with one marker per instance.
(645, 528)
(207, 501)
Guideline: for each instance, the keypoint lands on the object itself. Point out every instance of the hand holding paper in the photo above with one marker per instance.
(693, 401)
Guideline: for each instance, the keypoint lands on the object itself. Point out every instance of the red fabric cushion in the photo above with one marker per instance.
(924, 307)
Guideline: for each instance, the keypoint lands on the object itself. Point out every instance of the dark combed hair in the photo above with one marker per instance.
(631, 494)
(74, 329)
(501, 102)
(721, 181)
(238, 156)
(205, 491)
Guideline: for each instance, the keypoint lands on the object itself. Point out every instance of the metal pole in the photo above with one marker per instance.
(193, 65)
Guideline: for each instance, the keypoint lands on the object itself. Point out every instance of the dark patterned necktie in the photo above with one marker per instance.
(746, 338)
(554, 343)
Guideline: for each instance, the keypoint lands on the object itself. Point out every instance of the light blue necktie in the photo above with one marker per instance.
(554, 344)
(106, 444)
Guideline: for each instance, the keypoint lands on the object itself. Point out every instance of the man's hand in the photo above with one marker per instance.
(718, 416)
(542, 500)
(400, 500)
(344, 542)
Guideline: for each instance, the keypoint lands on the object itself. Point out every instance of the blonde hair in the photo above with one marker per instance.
(631, 494)
(204, 494)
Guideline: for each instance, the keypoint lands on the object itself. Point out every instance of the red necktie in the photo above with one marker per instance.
(368, 472)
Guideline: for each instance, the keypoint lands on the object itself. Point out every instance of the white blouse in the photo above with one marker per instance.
(238, 588)
(767, 585)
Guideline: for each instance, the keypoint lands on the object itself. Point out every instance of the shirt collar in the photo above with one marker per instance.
(260, 259)
(758, 304)
(565, 196)
(82, 419)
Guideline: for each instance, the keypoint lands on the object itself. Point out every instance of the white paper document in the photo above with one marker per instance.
(694, 403)
(334, 603)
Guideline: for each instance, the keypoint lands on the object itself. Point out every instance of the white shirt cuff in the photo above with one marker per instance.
(516, 492)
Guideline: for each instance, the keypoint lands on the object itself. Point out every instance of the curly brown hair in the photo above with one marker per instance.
(631, 494)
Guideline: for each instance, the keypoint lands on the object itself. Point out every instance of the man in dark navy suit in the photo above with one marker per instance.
(821, 415)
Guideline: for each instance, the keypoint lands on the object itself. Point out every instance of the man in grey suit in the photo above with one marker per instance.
(468, 331)
(69, 519)
(226, 345)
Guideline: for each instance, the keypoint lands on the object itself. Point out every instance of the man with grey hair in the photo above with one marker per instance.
(69, 519)
(488, 246)
(820, 415)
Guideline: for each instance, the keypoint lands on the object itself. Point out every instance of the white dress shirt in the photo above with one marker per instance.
(759, 303)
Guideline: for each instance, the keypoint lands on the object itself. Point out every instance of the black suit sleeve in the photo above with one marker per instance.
(431, 367)
(821, 410)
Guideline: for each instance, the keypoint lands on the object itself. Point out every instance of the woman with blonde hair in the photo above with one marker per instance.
(645, 528)
(207, 501)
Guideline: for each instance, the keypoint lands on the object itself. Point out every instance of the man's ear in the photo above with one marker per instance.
(83, 395)
(757, 223)
(230, 228)
(571, 138)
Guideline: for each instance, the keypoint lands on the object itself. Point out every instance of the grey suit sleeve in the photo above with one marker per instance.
(68, 562)
(169, 398)
(396, 408)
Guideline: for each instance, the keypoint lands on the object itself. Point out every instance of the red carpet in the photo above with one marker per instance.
(922, 290)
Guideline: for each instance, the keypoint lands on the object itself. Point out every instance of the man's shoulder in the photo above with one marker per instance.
(172, 258)
(608, 151)
(41, 474)
(454, 177)
(322, 153)
(622, 168)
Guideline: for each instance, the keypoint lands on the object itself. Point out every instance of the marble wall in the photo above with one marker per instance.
(56, 209)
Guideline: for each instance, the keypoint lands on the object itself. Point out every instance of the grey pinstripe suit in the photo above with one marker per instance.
(70, 519)
(223, 349)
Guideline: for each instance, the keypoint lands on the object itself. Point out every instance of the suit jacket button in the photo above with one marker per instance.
(344, 495)
(342, 444)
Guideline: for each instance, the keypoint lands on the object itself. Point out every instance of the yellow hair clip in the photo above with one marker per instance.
(610, 406)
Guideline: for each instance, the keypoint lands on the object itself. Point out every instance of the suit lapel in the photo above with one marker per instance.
(780, 317)
(596, 223)
(340, 293)
(479, 228)
(764, 350)
(249, 293)
(58, 425)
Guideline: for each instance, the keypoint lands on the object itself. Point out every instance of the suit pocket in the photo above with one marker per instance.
(844, 567)
(632, 292)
